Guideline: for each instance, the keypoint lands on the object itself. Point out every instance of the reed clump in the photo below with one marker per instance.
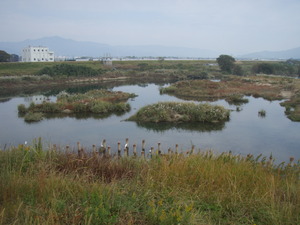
(181, 112)
(52, 185)
(95, 101)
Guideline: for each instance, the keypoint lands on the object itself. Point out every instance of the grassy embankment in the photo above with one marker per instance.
(96, 101)
(233, 89)
(48, 186)
(36, 77)
(181, 112)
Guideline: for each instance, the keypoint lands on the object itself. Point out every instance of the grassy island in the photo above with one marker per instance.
(181, 112)
(230, 88)
(95, 101)
(47, 185)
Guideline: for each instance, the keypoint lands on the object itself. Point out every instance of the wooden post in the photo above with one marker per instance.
(108, 151)
(94, 151)
(119, 149)
(134, 150)
(143, 154)
(159, 151)
(104, 143)
(126, 147)
(78, 148)
(67, 148)
(176, 149)
(143, 146)
(103, 148)
(193, 149)
(151, 152)
(81, 153)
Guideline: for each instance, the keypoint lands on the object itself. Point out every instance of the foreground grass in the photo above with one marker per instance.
(39, 186)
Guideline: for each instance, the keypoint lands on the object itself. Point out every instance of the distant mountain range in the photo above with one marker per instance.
(71, 48)
(286, 54)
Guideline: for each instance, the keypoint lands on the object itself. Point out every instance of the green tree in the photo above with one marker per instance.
(226, 63)
(238, 70)
(4, 56)
(266, 68)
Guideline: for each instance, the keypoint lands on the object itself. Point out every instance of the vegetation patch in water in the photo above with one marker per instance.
(292, 108)
(181, 112)
(33, 117)
(236, 99)
(233, 88)
(95, 101)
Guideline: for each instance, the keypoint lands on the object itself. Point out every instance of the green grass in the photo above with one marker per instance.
(30, 68)
(40, 185)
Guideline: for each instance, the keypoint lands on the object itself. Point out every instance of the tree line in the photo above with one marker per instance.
(290, 67)
(5, 57)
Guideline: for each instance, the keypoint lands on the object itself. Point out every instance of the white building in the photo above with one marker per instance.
(37, 54)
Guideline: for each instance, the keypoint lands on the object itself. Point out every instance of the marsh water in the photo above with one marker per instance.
(246, 132)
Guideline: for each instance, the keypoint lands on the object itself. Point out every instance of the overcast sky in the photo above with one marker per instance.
(235, 26)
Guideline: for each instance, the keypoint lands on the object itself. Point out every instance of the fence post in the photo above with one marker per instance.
(134, 150)
(119, 149)
(159, 151)
(102, 150)
(143, 146)
(108, 151)
(126, 148)
(79, 149)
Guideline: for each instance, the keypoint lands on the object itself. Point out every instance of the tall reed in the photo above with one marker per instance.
(48, 185)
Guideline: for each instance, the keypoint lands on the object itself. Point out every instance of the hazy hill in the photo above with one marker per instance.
(71, 48)
(287, 54)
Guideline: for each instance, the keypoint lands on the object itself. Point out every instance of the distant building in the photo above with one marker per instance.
(107, 62)
(37, 54)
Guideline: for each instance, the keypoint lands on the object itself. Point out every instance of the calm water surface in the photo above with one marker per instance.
(245, 133)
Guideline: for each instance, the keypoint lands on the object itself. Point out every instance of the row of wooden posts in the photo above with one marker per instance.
(105, 150)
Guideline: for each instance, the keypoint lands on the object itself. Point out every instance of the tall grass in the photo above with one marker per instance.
(40, 185)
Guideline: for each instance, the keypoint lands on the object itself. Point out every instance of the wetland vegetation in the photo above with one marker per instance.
(181, 112)
(95, 101)
(49, 185)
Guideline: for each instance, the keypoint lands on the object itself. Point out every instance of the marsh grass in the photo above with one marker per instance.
(95, 101)
(40, 185)
(181, 112)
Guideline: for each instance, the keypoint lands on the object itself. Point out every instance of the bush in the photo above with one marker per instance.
(265, 68)
(101, 107)
(176, 112)
(69, 70)
(238, 70)
(22, 109)
(49, 107)
(33, 117)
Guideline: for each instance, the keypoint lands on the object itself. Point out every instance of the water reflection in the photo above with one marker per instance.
(77, 116)
(200, 127)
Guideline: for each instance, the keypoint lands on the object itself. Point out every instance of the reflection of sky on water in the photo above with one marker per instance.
(245, 133)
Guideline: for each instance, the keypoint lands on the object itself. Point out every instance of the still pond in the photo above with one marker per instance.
(245, 133)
